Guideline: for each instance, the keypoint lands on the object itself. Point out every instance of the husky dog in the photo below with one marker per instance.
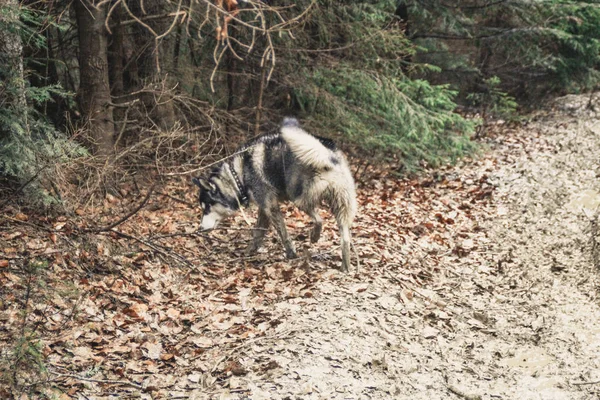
(288, 165)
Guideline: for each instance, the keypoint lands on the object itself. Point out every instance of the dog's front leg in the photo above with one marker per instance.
(277, 219)
(259, 232)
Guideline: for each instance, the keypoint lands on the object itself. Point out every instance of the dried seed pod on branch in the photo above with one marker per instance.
(231, 6)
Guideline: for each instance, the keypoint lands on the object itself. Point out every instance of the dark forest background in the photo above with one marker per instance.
(96, 90)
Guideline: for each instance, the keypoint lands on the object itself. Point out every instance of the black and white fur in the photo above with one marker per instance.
(288, 165)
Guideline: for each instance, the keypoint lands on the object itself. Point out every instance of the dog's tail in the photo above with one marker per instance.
(307, 148)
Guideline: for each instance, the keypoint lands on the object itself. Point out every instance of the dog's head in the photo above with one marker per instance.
(215, 204)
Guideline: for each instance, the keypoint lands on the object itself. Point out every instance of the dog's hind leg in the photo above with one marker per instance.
(315, 233)
(277, 220)
(345, 239)
(259, 232)
(344, 209)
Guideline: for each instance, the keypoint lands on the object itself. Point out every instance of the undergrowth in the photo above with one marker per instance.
(28, 308)
(410, 120)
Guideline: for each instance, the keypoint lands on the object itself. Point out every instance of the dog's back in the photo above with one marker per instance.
(304, 169)
(331, 178)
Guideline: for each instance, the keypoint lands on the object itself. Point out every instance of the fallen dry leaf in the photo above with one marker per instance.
(21, 217)
(154, 350)
(137, 310)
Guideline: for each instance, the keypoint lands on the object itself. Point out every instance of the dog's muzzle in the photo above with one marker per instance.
(209, 222)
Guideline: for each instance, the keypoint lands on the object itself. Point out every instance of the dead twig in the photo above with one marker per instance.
(105, 381)
(157, 248)
(209, 165)
(178, 200)
(6, 217)
(230, 352)
(23, 186)
(461, 393)
(126, 217)
(171, 235)
(585, 383)
(595, 246)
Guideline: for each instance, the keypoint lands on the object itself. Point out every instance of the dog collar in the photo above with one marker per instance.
(240, 187)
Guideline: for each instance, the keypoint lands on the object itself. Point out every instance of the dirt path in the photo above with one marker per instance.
(476, 282)
(513, 313)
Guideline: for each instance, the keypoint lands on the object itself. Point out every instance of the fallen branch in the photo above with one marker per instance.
(199, 233)
(126, 217)
(18, 221)
(178, 200)
(156, 247)
(23, 186)
(461, 393)
(105, 381)
(585, 383)
(594, 240)
(230, 352)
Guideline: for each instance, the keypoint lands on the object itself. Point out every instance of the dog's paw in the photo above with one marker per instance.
(315, 236)
(251, 250)
(291, 254)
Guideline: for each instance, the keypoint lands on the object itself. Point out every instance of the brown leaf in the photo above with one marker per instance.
(236, 368)
(173, 313)
(119, 349)
(82, 351)
(13, 235)
(270, 365)
(21, 217)
(154, 350)
(203, 341)
(430, 332)
(138, 311)
(3, 263)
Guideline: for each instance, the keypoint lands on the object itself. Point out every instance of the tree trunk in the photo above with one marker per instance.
(11, 70)
(94, 88)
(154, 61)
(402, 14)
(116, 55)
(116, 68)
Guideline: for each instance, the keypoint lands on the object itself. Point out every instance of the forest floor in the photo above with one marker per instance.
(478, 281)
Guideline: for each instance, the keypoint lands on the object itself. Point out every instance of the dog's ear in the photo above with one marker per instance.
(202, 183)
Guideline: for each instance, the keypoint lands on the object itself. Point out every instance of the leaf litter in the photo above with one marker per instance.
(476, 282)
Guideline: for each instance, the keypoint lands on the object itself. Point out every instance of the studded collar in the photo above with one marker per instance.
(244, 199)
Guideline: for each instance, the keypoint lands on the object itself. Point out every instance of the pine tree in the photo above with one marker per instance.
(29, 143)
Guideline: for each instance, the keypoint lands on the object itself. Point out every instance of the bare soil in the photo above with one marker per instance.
(478, 281)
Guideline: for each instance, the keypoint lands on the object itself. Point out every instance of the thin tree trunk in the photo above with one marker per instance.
(116, 67)
(94, 88)
(260, 100)
(55, 109)
(402, 14)
(230, 81)
(177, 48)
(154, 60)
(116, 55)
(12, 72)
(68, 80)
